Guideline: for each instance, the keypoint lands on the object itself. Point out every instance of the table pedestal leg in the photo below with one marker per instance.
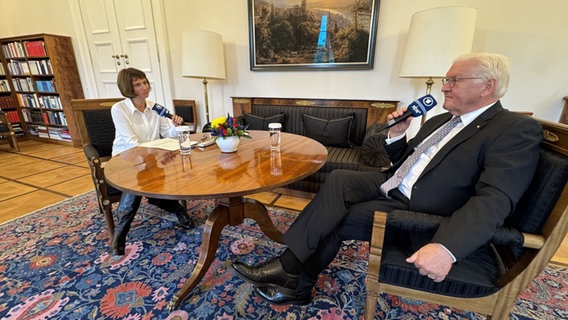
(215, 223)
(229, 211)
(257, 211)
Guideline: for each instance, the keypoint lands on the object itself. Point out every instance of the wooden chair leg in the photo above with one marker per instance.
(375, 253)
(13, 142)
(107, 213)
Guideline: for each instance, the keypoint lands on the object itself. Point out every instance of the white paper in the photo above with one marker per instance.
(170, 144)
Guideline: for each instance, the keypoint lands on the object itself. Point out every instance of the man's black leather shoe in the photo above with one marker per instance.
(268, 274)
(274, 295)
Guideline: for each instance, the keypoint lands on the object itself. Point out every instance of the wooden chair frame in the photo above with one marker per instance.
(180, 103)
(10, 134)
(542, 248)
(96, 162)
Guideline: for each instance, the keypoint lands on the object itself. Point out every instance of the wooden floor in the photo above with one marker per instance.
(42, 174)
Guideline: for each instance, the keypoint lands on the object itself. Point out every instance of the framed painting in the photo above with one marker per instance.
(312, 35)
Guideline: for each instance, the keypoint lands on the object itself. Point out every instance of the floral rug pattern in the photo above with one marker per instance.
(54, 265)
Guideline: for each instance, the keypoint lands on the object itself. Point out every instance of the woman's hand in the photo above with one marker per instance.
(177, 120)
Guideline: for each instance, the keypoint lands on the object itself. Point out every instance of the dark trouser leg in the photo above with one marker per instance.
(173, 206)
(127, 207)
(341, 190)
(357, 225)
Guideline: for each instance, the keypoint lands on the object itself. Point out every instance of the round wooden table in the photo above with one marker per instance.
(227, 177)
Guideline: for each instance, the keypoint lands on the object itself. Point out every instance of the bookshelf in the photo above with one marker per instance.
(38, 79)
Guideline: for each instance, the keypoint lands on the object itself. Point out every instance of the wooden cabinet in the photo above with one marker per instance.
(42, 77)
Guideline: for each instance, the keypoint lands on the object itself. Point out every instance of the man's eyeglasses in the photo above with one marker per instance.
(452, 81)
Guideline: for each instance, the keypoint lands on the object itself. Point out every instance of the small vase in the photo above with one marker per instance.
(228, 144)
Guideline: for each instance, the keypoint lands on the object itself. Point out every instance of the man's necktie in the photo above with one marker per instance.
(396, 179)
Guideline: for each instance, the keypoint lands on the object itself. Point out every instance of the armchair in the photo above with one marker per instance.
(7, 131)
(522, 247)
(186, 110)
(97, 130)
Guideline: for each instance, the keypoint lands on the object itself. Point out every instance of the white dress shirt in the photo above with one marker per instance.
(134, 127)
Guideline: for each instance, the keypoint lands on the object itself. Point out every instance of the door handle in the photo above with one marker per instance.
(125, 58)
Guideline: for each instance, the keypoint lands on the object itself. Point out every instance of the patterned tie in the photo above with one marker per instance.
(396, 179)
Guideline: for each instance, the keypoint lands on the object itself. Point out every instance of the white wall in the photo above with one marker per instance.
(531, 33)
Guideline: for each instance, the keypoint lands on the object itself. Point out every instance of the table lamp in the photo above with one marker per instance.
(435, 38)
(203, 58)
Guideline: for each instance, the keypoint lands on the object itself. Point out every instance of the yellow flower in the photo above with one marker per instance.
(218, 121)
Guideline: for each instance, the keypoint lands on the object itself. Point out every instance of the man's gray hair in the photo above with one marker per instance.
(491, 66)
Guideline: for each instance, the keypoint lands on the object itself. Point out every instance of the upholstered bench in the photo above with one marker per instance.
(345, 127)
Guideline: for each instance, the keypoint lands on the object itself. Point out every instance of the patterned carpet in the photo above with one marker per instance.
(54, 265)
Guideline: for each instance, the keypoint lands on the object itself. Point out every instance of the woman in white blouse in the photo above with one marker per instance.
(136, 123)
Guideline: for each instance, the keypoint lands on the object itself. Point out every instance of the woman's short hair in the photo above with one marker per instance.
(491, 66)
(126, 77)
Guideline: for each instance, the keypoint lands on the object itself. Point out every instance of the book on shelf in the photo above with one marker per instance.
(40, 67)
(42, 131)
(51, 102)
(13, 50)
(35, 48)
(4, 85)
(7, 102)
(19, 68)
(23, 84)
(46, 85)
(13, 116)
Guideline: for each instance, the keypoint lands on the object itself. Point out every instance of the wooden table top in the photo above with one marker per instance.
(210, 174)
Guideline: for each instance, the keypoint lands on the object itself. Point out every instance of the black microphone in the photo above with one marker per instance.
(162, 111)
(417, 108)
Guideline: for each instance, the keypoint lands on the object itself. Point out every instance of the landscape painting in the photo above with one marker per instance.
(312, 34)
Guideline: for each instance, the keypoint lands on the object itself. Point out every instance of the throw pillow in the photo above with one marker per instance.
(260, 123)
(333, 133)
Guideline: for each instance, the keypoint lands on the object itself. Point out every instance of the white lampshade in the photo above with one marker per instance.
(202, 55)
(435, 38)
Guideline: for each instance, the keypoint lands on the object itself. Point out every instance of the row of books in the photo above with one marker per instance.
(23, 84)
(33, 67)
(31, 100)
(35, 48)
(26, 85)
(16, 49)
(2, 72)
(58, 133)
(13, 116)
(49, 117)
(4, 85)
(46, 85)
(7, 102)
(18, 131)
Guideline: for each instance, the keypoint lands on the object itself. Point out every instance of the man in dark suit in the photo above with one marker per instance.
(474, 172)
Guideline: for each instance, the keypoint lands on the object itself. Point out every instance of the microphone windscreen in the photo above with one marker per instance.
(161, 111)
(422, 105)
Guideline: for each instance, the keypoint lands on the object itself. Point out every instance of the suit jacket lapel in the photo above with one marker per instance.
(464, 134)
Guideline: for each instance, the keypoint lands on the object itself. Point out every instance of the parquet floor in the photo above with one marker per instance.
(42, 174)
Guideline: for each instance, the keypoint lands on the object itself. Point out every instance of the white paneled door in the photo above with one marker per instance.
(121, 34)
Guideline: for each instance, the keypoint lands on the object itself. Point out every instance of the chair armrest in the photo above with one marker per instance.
(424, 222)
(90, 152)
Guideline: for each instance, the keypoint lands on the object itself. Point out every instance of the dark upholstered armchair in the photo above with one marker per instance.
(97, 135)
(186, 110)
(6, 131)
(522, 247)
